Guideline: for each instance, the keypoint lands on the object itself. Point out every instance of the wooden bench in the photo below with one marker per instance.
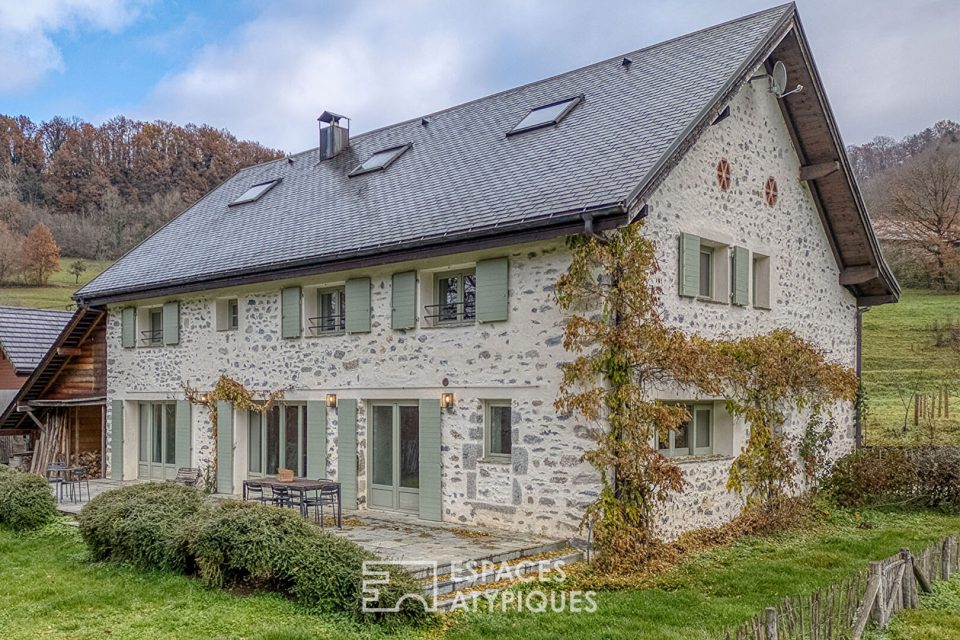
(188, 476)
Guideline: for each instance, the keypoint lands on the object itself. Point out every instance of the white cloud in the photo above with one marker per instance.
(382, 61)
(27, 50)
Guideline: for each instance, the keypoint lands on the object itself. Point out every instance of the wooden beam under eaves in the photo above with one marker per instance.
(69, 351)
(858, 275)
(872, 301)
(817, 171)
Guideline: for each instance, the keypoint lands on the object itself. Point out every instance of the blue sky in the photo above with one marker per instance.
(266, 69)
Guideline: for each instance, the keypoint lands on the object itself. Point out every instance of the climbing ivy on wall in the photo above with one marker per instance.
(229, 390)
(625, 352)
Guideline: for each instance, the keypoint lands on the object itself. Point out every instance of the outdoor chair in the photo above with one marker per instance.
(253, 490)
(328, 496)
(280, 497)
(187, 476)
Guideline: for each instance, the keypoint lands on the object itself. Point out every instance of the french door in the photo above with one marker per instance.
(157, 441)
(395, 456)
(277, 438)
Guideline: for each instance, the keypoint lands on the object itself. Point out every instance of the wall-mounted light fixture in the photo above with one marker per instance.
(446, 400)
(203, 398)
(331, 401)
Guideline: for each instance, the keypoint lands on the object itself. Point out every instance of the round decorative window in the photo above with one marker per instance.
(770, 191)
(723, 174)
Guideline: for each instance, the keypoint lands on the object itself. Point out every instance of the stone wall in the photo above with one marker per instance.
(547, 484)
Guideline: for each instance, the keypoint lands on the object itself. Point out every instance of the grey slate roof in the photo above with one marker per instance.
(462, 174)
(27, 334)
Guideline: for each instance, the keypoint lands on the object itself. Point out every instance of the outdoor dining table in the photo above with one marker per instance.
(303, 486)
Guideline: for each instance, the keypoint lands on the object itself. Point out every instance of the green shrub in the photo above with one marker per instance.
(926, 476)
(251, 545)
(26, 501)
(146, 525)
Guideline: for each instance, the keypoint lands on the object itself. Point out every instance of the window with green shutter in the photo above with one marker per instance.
(290, 314)
(347, 451)
(740, 277)
(403, 296)
(493, 289)
(171, 323)
(358, 305)
(116, 440)
(689, 271)
(455, 293)
(128, 327)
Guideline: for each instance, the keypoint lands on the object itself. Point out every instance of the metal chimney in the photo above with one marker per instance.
(334, 138)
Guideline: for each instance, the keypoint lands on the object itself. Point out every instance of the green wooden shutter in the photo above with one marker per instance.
(493, 282)
(358, 305)
(224, 447)
(116, 440)
(431, 507)
(347, 452)
(741, 277)
(128, 327)
(184, 432)
(171, 322)
(316, 440)
(404, 297)
(689, 276)
(290, 315)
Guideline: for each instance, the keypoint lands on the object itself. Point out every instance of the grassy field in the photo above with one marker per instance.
(937, 617)
(899, 354)
(57, 294)
(54, 591)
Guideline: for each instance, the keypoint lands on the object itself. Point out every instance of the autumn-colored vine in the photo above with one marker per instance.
(625, 352)
(228, 390)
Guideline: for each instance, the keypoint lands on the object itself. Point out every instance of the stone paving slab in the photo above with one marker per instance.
(399, 536)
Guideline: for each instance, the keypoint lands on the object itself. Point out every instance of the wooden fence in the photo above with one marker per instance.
(844, 609)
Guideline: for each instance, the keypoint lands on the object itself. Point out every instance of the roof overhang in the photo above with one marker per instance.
(75, 333)
(825, 167)
(604, 216)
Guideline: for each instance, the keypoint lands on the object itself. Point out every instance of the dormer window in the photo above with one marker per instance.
(255, 192)
(547, 115)
(380, 160)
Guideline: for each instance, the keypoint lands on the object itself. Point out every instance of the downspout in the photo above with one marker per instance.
(857, 422)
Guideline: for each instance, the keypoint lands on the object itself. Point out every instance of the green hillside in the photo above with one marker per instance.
(57, 294)
(900, 355)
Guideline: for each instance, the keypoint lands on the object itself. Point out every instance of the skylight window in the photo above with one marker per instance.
(255, 192)
(546, 115)
(380, 160)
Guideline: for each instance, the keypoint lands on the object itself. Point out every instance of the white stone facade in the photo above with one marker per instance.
(547, 484)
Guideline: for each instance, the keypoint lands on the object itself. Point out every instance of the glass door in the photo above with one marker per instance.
(275, 439)
(395, 456)
(157, 456)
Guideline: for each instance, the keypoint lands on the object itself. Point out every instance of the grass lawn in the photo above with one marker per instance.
(57, 294)
(937, 617)
(52, 590)
(898, 348)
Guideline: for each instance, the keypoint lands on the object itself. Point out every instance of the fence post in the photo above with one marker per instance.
(945, 550)
(871, 595)
(879, 612)
(771, 630)
(922, 579)
(909, 581)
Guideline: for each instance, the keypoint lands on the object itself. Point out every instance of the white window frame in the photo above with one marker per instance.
(144, 326)
(761, 281)
(488, 453)
(693, 408)
(461, 319)
(222, 314)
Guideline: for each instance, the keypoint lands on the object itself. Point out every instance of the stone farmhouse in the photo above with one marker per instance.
(399, 284)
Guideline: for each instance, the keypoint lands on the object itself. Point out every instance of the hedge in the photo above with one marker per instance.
(145, 525)
(252, 545)
(26, 501)
(927, 476)
(239, 544)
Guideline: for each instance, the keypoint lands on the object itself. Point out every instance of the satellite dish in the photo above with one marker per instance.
(778, 79)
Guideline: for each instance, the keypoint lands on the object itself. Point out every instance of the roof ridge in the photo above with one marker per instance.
(570, 71)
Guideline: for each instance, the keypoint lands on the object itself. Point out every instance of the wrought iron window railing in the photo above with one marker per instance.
(451, 311)
(151, 337)
(328, 324)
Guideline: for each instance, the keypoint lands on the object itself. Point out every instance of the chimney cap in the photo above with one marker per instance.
(331, 117)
